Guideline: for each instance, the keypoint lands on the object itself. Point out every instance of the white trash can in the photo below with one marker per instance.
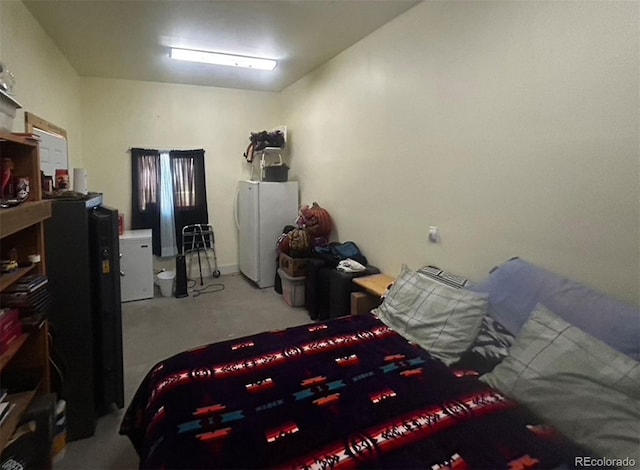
(165, 282)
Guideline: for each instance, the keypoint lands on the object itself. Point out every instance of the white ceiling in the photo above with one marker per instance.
(130, 39)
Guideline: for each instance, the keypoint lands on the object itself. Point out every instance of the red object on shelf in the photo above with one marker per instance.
(8, 316)
(10, 329)
(62, 178)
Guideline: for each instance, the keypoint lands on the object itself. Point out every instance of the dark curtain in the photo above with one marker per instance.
(145, 200)
(190, 191)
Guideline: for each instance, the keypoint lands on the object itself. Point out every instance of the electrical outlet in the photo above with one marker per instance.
(434, 234)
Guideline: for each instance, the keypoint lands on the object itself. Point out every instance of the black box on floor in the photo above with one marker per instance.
(316, 290)
(328, 291)
(340, 288)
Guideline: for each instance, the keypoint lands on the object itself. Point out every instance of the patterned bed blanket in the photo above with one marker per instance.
(345, 393)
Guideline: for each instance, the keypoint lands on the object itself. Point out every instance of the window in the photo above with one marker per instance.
(168, 192)
(184, 182)
(148, 168)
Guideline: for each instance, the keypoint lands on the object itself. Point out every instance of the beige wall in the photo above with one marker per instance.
(120, 114)
(512, 126)
(110, 116)
(46, 84)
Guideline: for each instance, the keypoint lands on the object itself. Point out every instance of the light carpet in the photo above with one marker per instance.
(157, 328)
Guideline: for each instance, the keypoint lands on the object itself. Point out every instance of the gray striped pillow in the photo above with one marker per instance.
(587, 390)
(441, 319)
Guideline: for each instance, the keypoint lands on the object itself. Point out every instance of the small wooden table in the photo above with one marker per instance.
(374, 286)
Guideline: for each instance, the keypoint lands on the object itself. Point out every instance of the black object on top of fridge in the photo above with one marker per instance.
(83, 266)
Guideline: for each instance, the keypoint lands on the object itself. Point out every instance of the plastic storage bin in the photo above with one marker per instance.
(292, 289)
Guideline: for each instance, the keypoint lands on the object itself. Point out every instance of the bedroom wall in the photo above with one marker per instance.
(512, 126)
(120, 114)
(46, 84)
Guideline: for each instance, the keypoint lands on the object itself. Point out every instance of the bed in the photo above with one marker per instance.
(414, 384)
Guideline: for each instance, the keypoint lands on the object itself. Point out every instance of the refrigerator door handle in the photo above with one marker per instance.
(235, 208)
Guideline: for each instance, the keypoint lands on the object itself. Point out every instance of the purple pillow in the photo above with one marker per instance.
(517, 286)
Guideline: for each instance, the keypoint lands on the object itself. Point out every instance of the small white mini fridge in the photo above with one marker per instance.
(136, 265)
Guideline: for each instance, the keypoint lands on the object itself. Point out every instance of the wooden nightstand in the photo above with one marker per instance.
(374, 287)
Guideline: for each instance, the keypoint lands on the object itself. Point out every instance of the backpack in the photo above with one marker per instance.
(335, 252)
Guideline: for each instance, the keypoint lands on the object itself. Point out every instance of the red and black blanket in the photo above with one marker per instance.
(345, 393)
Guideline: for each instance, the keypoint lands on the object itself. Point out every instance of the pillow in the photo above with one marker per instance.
(441, 319)
(517, 286)
(578, 384)
(489, 348)
(493, 340)
(444, 276)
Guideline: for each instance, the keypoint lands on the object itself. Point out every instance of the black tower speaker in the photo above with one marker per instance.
(181, 277)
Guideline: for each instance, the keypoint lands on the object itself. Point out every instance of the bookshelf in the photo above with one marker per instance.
(24, 363)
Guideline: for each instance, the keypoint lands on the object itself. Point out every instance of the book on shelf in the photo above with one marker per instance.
(7, 341)
(5, 410)
(10, 328)
(32, 303)
(28, 283)
(24, 299)
(8, 318)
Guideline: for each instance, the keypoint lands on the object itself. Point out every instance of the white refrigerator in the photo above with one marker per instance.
(263, 209)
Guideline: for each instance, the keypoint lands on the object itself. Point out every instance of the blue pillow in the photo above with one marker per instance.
(517, 286)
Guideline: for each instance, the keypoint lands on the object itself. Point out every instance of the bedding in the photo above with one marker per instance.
(517, 286)
(493, 341)
(442, 319)
(488, 349)
(560, 372)
(349, 392)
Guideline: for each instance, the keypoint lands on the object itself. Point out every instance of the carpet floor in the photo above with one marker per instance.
(154, 329)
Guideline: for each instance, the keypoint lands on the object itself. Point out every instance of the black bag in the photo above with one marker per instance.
(335, 252)
(261, 140)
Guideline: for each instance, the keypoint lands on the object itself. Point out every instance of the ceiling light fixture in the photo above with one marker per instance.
(222, 59)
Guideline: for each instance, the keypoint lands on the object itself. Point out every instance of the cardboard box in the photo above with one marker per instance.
(363, 302)
(293, 267)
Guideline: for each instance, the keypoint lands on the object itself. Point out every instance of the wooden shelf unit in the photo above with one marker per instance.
(22, 229)
(11, 351)
(15, 219)
(7, 279)
(21, 402)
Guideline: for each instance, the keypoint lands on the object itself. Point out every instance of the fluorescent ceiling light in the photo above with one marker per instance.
(222, 59)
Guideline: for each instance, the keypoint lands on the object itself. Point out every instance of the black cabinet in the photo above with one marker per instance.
(328, 291)
(85, 316)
